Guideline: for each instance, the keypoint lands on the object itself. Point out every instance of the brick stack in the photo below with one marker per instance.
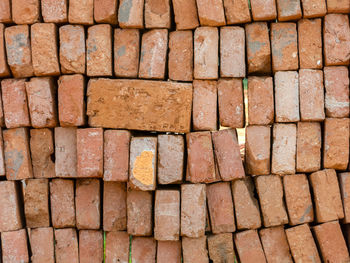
(119, 119)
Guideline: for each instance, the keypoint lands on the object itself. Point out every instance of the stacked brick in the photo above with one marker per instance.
(123, 124)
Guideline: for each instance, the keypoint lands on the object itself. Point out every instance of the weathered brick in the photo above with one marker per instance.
(5, 12)
(338, 6)
(116, 155)
(117, 247)
(288, 10)
(90, 152)
(143, 249)
(42, 245)
(221, 248)
(248, 246)
(194, 250)
(4, 69)
(157, 14)
(90, 246)
(105, 11)
(185, 12)
(54, 11)
(263, 10)
(169, 251)
(66, 246)
(81, 12)
(14, 246)
(314, 8)
(326, 192)
(130, 14)
(126, 52)
(114, 206)
(66, 152)
(25, 11)
(344, 184)
(99, 51)
(309, 141)
(213, 16)
(237, 12)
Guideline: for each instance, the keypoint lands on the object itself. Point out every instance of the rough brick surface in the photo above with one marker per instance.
(288, 10)
(66, 246)
(54, 11)
(186, 16)
(168, 251)
(157, 14)
(117, 247)
(14, 246)
(248, 246)
(42, 245)
(5, 12)
(213, 16)
(263, 10)
(90, 246)
(338, 6)
(105, 11)
(237, 12)
(130, 14)
(114, 206)
(195, 250)
(314, 8)
(344, 184)
(25, 11)
(81, 12)
(220, 248)
(143, 249)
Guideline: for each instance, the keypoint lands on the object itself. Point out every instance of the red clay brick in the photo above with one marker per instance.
(193, 210)
(42, 245)
(310, 43)
(263, 10)
(2, 155)
(344, 185)
(99, 58)
(126, 52)
(72, 49)
(213, 16)
(336, 143)
(66, 152)
(90, 152)
(54, 11)
(314, 8)
(4, 69)
(117, 247)
(66, 246)
(206, 48)
(5, 12)
(194, 250)
(14, 246)
(309, 141)
(170, 158)
(15, 104)
(18, 163)
(185, 12)
(326, 192)
(168, 251)
(249, 247)
(62, 203)
(81, 12)
(157, 14)
(105, 11)
(114, 206)
(260, 98)
(336, 39)
(90, 246)
(41, 94)
(130, 14)
(284, 45)
(338, 6)
(221, 248)
(10, 207)
(288, 10)
(116, 155)
(25, 11)
(143, 249)
(87, 203)
(237, 12)
(336, 81)
(180, 57)
(139, 213)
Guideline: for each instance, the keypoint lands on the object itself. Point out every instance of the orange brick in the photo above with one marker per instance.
(314, 8)
(25, 11)
(81, 12)
(213, 16)
(4, 69)
(90, 246)
(249, 247)
(157, 14)
(263, 10)
(130, 14)
(237, 12)
(117, 247)
(66, 245)
(5, 11)
(338, 6)
(54, 11)
(186, 16)
(105, 11)
(114, 206)
(14, 246)
(288, 10)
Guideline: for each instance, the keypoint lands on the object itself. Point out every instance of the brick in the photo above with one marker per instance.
(168, 251)
(326, 192)
(10, 207)
(195, 250)
(263, 10)
(14, 246)
(157, 14)
(130, 14)
(116, 155)
(54, 11)
(310, 43)
(25, 11)
(90, 246)
(270, 192)
(126, 52)
(275, 244)
(284, 46)
(114, 206)
(72, 49)
(105, 11)
(200, 157)
(4, 69)
(180, 56)
(116, 112)
(66, 246)
(185, 12)
(42, 245)
(170, 158)
(213, 16)
(81, 12)
(87, 203)
(288, 10)
(206, 48)
(227, 154)
(344, 190)
(139, 213)
(44, 49)
(193, 210)
(65, 152)
(287, 96)
(336, 143)
(232, 52)
(258, 48)
(117, 247)
(41, 94)
(153, 42)
(245, 204)
(90, 152)
(204, 108)
(167, 215)
(249, 247)
(336, 39)
(15, 104)
(36, 203)
(314, 8)
(331, 242)
(2, 155)
(5, 12)
(258, 147)
(99, 51)
(261, 102)
(284, 149)
(221, 248)
(336, 82)
(143, 249)
(237, 12)
(309, 141)
(302, 244)
(18, 162)
(62, 203)
(338, 6)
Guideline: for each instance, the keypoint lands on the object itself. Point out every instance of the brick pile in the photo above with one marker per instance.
(119, 120)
